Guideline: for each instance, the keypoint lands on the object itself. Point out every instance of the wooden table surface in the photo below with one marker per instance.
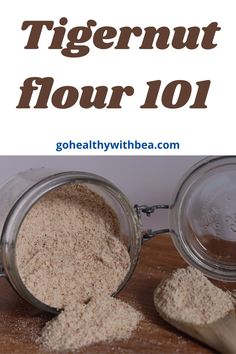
(20, 322)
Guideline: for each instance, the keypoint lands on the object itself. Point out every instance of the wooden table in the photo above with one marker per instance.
(20, 322)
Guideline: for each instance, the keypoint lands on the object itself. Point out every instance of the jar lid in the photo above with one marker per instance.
(203, 217)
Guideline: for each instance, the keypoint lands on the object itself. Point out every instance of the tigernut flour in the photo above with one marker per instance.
(70, 256)
(102, 319)
(188, 296)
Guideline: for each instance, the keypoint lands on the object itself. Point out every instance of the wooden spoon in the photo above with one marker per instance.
(220, 335)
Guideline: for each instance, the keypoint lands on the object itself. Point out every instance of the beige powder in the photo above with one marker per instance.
(102, 319)
(68, 247)
(70, 256)
(188, 296)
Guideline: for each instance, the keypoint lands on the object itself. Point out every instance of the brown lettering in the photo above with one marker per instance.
(68, 94)
(125, 34)
(202, 92)
(28, 88)
(162, 40)
(104, 33)
(35, 33)
(117, 94)
(190, 42)
(210, 31)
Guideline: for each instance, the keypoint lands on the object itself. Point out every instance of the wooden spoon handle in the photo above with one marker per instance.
(220, 335)
(223, 333)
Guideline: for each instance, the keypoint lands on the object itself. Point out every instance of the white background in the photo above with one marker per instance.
(199, 131)
(144, 179)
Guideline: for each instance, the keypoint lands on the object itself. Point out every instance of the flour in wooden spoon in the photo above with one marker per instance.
(188, 296)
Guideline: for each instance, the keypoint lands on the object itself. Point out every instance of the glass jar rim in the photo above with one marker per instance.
(188, 251)
(25, 203)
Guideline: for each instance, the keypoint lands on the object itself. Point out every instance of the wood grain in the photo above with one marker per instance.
(20, 323)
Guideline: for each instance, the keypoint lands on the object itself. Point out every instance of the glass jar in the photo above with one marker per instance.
(20, 193)
(202, 217)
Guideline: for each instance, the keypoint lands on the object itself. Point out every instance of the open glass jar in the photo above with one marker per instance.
(202, 217)
(24, 190)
